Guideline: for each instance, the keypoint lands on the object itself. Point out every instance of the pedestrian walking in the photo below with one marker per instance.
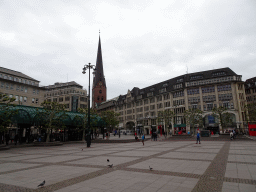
(142, 139)
(198, 138)
(155, 136)
(231, 135)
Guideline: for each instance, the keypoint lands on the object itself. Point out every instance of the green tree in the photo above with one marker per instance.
(166, 116)
(194, 117)
(251, 109)
(93, 120)
(6, 111)
(221, 114)
(111, 119)
(54, 112)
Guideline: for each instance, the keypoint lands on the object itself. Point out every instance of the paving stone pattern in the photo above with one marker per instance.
(218, 165)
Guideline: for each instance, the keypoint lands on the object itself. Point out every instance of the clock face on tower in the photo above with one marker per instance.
(100, 83)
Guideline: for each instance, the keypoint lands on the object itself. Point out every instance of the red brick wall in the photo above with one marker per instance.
(96, 94)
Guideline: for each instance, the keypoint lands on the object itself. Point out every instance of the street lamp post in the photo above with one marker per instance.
(89, 66)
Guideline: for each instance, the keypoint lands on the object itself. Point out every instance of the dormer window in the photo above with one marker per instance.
(165, 85)
(179, 80)
(220, 73)
(195, 77)
(152, 89)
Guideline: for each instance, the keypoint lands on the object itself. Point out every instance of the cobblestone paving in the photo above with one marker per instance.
(177, 166)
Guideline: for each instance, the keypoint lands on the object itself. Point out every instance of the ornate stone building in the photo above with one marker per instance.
(202, 90)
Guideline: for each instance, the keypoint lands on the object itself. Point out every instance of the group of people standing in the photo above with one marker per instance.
(7, 139)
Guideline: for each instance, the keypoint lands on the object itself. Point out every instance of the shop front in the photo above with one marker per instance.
(179, 129)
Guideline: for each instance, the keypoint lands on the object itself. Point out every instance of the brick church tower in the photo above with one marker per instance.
(99, 89)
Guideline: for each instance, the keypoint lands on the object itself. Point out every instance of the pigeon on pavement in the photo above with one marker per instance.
(110, 166)
(150, 168)
(41, 184)
(107, 160)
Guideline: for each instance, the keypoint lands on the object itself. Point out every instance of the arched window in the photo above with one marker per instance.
(102, 98)
(98, 98)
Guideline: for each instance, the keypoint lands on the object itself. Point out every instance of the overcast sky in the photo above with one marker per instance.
(143, 42)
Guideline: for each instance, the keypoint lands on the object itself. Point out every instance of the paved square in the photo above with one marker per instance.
(131, 181)
(180, 155)
(177, 166)
(102, 160)
(181, 166)
(13, 166)
(52, 174)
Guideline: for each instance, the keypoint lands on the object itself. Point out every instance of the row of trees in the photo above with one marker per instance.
(5, 112)
(194, 117)
(53, 116)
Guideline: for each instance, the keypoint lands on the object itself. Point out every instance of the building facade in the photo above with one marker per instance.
(202, 90)
(70, 94)
(99, 89)
(24, 89)
(250, 90)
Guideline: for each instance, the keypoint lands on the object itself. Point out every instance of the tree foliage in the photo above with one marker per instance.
(6, 111)
(52, 116)
(165, 116)
(221, 114)
(93, 119)
(110, 118)
(194, 117)
(251, 108)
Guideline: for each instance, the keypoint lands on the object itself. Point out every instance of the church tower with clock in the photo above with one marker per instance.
(99, 88)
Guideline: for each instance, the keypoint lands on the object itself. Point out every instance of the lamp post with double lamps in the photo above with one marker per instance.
(89, 67)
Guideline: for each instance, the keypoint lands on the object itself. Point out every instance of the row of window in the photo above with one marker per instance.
(178, 102)
(193, 99)
(20, 80)
(208, 89)
(210, 106)
(177, 86)
(193, 91)
(189, 91)
(64, 92)
(210, 81)
(24, 99)
(251, 98)
(11, 86)
(162, 90)
(178, 94)
(224, 87)
(209, 98)
(225, 97)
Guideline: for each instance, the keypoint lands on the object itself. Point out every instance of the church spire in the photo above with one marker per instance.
(99, 89)
(99, 73)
